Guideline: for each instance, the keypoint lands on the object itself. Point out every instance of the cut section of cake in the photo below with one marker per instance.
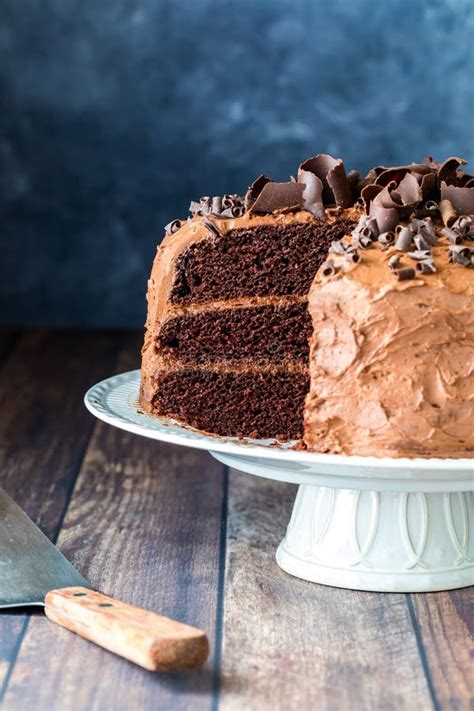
(227, 344)
(381, 362)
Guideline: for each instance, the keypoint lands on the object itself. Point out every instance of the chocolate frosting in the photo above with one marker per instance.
(392, 361)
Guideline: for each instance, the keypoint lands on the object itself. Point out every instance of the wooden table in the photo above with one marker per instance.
(172, 530)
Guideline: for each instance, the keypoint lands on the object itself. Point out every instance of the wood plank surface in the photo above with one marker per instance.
(44, 430)
(289, 644)
(446, 623)
(143, 524)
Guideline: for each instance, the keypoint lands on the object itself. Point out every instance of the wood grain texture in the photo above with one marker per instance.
(44, 431)
(152, 641)
(143, 525)
(289, 644)
(446, 623)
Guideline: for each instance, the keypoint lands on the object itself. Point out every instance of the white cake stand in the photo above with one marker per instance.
(400, 525)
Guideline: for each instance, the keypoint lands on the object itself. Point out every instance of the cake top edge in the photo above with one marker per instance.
(389, 194)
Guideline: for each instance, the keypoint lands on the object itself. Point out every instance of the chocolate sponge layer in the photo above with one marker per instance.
(260, 404)
(260, 261)
(272, 332)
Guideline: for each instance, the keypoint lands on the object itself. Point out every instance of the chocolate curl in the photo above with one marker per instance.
(460, 255)
(387, 217)
(394, 262)
(427, 267)
(353, 257)
(404, 197)
(448, 170)
(328, 268)
(279, 196)
(397, 173)
(420, 255)
(172, 227)
(453, 235)
(462, 199)
(448, 213)
(409, 190)
(463, 224)
(386, 238)
(404, 240)
(212, 228)
(330, 171)
(336, 247)
(392, 175)
(421, 242)
(405, 273)
(369, 193)
(254, 190)
(428, 184)
(312, 193)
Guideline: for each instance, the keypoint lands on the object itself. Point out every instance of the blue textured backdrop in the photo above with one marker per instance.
(114, 114)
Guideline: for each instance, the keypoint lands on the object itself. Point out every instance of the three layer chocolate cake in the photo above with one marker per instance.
(329, 309)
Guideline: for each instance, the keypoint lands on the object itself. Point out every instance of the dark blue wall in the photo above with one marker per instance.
(115, 113)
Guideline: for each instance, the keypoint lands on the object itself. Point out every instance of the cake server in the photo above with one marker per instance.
(34, 572)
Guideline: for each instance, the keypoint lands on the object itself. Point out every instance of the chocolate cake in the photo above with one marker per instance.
(380, 362)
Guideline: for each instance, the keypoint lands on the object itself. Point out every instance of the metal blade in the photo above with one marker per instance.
(30, 565)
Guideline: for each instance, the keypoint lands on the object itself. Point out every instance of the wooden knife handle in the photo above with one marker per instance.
(154, 642)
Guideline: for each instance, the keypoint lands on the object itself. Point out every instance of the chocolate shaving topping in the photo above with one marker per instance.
(373, 227)
(409, 190)
(463, 225)
(386, 238)
(461, 255)
(353, 256)
(387, 217)
(448, 170)
(368, 193)
(405, 273)
(394, 261)
(279, 196)
(337, 248)
(421, 242)
(330, 171)
(172, 227)
(403, 198)
(448, 213)
(254, 190)
(462, 199)
(216, 205)
(453, 235)
(312, 193)
(404, 240)
(426, 267)
(420, 255)
(328, 268)
(212, 228)
(428, 184)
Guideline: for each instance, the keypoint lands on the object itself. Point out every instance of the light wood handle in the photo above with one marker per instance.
(154, 642)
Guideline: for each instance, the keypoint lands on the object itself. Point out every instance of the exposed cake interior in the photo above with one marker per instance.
(254, 261)
(231, 338)
(248, 401)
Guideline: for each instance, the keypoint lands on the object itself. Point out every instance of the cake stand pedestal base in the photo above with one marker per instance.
(380, 540)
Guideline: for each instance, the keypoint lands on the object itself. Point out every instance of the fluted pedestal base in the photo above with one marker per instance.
(380, 540)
